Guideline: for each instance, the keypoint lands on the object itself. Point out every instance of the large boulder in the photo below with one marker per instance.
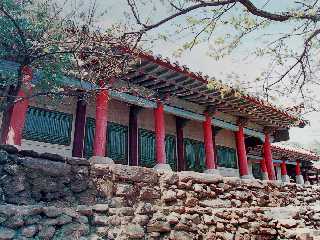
(126, 173)
(50, 168)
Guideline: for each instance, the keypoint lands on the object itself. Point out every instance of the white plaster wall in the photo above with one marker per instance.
(193, 130)
(146, 121)
(226, 138)
(118, 112)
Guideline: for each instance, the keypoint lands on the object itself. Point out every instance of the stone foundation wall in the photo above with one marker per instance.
(50, 197)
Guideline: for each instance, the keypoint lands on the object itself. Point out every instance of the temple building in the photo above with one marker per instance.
(171, 120)
(291, 164)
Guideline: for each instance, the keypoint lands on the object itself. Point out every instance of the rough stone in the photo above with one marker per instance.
(86, 210)
(128, 173)
(29, 231)
(101, 208)
(181, 235)
(77, 161)
(149, 193)
(47, 232)
(79, 186)
(3, 157)
(52, 211)
(216, 203)
(48, 167)
(100, 220)
(191, 202)
(6, 233)
(125, 190)
(53, 157)
(63, 219)
(169, 196)
(74, 229)
(199, 177)
(120, 202)
(9, 148)
(141, 219)
(288, 223)
(14, 222)
(159, 226)
(134, 231)
(29, 153)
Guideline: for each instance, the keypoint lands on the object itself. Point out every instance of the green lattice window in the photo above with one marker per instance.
(89, 137)
(194, 155)
(147, 150)
(171, 155)
(147, 154)
(256, 170)
(117, 141)
(48, 126)
(227, 157)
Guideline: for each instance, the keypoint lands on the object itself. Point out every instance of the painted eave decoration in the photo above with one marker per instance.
(167, 78)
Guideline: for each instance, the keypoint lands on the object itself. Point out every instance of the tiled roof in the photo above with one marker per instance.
(165, 77)
(280, 151)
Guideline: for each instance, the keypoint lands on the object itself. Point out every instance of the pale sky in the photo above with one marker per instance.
(240, 62)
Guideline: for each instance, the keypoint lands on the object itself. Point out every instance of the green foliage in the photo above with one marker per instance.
(31, 34)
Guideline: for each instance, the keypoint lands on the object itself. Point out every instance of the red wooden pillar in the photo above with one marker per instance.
(299, 177)
(180, 124)
(264, 171)
(79, 128)
(298, 169)
(133, 135)
(100, 137)
(284, 173)
(208, 143)
(160, 134)
(268, 156)
(242, 154)
(283, 168)
(15, 118)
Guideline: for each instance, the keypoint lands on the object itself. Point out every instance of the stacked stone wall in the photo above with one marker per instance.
(47, 196)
